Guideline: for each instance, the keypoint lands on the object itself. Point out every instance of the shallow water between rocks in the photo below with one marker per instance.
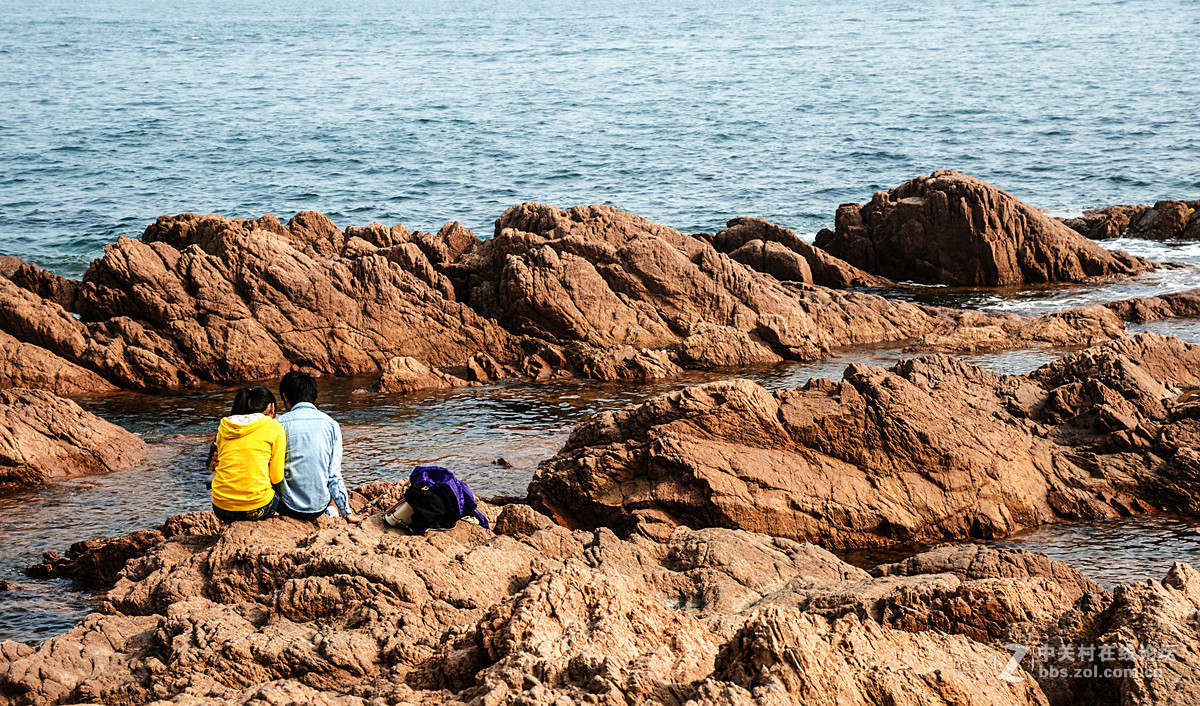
(468, 429)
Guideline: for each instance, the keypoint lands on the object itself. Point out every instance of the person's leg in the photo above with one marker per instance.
(258, 513)
(227, 516)
(285, 511)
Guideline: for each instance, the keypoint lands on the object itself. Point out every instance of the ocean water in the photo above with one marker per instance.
(686, 111)
(689, 113)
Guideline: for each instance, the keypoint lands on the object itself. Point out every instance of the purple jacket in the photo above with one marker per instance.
(454, 490)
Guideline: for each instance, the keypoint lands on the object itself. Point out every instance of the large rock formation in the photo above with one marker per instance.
(591, 291)
(950, 228)
(44, 437)
(1165, 220)
(608, 278)
(930, 448)
(281, 611)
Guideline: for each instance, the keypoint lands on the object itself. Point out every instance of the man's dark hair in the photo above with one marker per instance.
(252, 399)
(297, 387)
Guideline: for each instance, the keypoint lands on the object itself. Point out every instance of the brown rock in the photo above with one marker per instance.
(404, 375)
(29, 366)
(971, 562)
(576, 633)
(484, 368)
(592, 291)
(98, 563)
(44, 437)
(607, 278)
(950, 228)
(779, 252)
(1105, 223)
(928, 449)
(521, 521)
(1180, 305)
(46, 285)
(784, 656)
(1144, 641)
(621, 363)
(719, 346)
(1165, 220)
(282, 612)
(209, 298)
(976, 332)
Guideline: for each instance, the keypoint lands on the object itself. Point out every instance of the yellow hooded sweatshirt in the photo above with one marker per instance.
(250, 454)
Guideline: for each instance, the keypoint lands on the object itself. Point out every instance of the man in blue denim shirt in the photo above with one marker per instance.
(312, 470)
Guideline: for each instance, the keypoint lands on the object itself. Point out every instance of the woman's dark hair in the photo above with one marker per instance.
(297, 387)
(252, 399)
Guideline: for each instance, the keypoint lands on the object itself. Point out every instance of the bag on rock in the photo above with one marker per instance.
(436, 500)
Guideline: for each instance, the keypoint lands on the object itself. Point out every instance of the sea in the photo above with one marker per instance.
(113, 112)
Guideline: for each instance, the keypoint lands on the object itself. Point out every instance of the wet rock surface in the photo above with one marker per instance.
(407, 374)
(45, 437)
(950, 228)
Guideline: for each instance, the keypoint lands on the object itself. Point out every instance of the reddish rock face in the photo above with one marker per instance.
(287, 610)
(1165, 220)
(606, 278)
(29, 366)
(46, 437)
(927, 449)
(950, 228)
(591, 291)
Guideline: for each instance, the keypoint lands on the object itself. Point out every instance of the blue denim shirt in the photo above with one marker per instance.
(312, 470)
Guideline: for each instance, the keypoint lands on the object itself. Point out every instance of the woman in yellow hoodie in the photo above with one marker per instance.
(249, 455)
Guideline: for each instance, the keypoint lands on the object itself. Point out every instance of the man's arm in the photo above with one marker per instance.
(337, 485)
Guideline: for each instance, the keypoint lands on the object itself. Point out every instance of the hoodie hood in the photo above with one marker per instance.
(240, 425)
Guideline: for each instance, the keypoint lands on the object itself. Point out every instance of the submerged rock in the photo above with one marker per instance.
(45, 437)
(950, 228)
(406, 374)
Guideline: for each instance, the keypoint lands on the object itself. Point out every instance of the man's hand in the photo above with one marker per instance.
(355, 518)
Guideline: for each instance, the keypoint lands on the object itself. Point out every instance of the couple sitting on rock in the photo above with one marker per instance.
(291, 465)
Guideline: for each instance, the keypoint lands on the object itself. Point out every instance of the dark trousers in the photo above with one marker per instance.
(286, 511)
(258, 513)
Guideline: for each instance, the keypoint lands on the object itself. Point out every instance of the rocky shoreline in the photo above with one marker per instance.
(672, 552)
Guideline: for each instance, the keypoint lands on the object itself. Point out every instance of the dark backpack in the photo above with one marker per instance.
(431, 509)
